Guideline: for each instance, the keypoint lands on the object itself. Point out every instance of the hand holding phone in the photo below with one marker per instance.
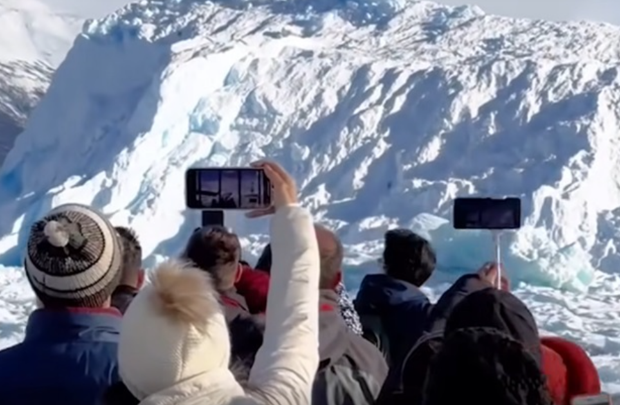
(490, 273)
(284, 189)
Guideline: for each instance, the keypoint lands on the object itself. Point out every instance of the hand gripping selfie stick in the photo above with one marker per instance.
(498, 255)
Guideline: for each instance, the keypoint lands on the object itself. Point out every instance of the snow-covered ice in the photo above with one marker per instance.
(35, 36)
(384, 111)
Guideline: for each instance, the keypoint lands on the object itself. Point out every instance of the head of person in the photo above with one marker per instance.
(484, 366)
(331, 253)
(501, 310)
(132, 272)
(73, 258)
(567, 367)
(217, 251)
(408, 257)
(174, 330)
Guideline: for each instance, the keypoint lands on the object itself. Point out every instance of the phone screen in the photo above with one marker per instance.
(227, 188)
(487, 213)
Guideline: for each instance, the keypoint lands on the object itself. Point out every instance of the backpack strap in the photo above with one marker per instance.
(374, 332)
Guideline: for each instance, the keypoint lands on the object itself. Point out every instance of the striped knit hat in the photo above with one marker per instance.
(73, 258)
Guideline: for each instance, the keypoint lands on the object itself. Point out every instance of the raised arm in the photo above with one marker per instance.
(285, 366)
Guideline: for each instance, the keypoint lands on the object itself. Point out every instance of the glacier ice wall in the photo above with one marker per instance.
(382, 110)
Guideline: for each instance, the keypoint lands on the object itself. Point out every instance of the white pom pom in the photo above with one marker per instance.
(56, 234)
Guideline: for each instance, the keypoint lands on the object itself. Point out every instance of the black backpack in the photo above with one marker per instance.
(407, 386)
(373, 331)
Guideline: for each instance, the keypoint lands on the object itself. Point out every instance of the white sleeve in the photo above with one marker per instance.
(286, 364)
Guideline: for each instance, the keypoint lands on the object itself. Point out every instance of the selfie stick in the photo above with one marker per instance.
(212, 218)
(498, 256)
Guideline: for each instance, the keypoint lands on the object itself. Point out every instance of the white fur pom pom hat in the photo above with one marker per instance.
(173, 329)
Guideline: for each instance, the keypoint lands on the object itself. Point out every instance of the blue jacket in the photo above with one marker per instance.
(402, 308)
(66, 358)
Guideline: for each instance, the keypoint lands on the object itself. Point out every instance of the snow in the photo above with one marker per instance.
(384, 112)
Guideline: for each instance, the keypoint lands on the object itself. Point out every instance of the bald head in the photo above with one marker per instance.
(331, 252)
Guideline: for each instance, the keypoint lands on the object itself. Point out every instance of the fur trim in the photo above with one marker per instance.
(184, 293)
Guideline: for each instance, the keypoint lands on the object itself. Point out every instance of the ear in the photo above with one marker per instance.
(239, 273)
(141, 276)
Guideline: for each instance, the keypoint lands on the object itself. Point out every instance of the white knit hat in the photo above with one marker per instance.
(73, 257)
(173, 329)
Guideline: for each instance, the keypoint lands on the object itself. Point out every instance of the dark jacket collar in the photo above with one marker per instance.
(379, 293)
(122, 297)
(48, 325)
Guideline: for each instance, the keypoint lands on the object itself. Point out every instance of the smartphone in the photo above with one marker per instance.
(599, 399)
(487, 213)
(227, 188)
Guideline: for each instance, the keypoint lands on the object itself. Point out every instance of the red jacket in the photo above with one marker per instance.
(253, 285)
(569, 370)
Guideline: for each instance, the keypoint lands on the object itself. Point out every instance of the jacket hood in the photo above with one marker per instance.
(380, 292)
(493, 308)
(173, 329)
(484, 365)
(333, 330)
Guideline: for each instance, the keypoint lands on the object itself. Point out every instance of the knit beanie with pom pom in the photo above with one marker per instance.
(173, 330)
(73, 258)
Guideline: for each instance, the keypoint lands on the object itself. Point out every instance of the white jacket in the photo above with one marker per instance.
(285, 366)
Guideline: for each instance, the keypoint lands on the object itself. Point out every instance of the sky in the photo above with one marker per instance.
(597, 10)
(86, 8)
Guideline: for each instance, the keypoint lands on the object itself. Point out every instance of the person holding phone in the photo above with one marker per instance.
(174, 347)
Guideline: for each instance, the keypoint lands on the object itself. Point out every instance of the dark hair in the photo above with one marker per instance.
(217, 251)
(331, 256)
(264, 261)
(485, 366)
(408, 257)
(132, 256)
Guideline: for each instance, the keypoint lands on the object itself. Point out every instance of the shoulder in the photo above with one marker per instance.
(12, 354)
